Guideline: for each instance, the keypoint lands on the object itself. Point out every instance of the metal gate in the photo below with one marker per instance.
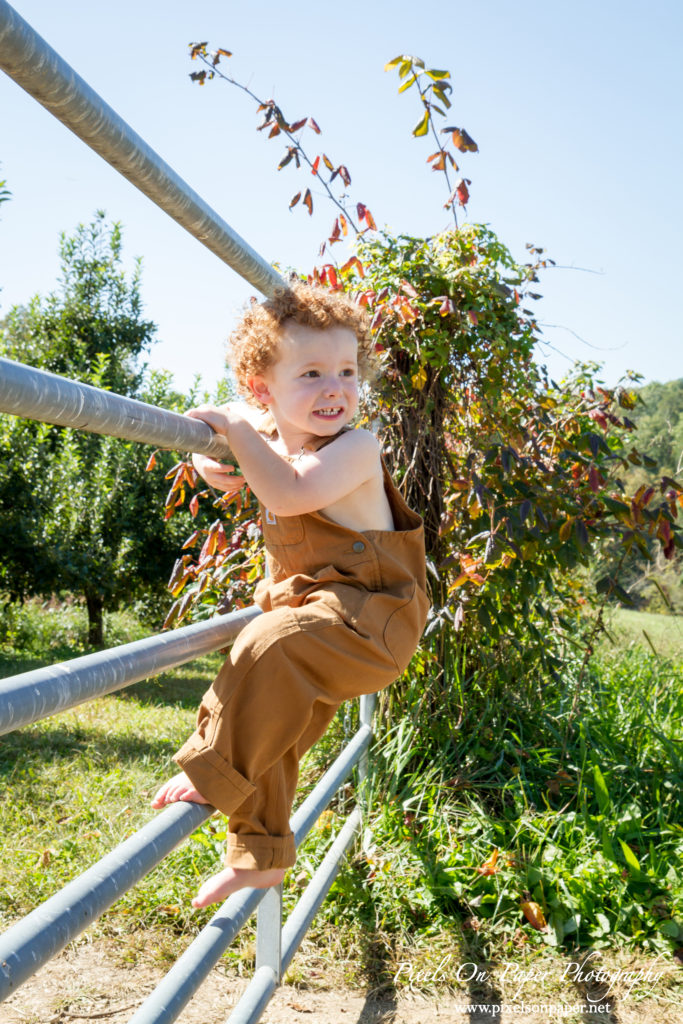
(31, 696)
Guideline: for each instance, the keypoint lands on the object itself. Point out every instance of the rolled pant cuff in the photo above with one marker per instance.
(245, 850)
(213, 777)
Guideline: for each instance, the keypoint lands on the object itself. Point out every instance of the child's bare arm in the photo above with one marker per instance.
(316, 480)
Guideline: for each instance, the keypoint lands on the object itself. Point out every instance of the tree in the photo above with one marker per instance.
(77, 511)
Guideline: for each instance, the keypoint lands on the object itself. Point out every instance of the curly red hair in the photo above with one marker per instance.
(253, 345)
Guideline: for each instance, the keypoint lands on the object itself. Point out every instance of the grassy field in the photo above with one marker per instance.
(660, 634)
(523, 834)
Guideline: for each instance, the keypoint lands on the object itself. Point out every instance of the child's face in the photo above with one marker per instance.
(312, 389)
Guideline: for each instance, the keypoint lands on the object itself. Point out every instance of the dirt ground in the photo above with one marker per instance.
(86, 984)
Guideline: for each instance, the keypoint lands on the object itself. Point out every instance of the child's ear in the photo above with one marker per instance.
(259, 389)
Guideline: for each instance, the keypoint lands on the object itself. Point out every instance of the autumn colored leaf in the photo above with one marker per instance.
(191, 539)
(218, 54)
(314, 126)
(437, 75)
(275, 130)
(439, 160)
(194, 505)
(407, 84)
(344, 225)
(316, 165)
(336, 233)
(285, 160)
(297, 125)
(328, 163)
(295, 200)
(353, 263)
(533, 912)
(198, 76)
(461, 140)
(473, 316)
(197, 49)
(308, 201)
(489, 866)
(462, 192)
(422, 127)
(151, 462)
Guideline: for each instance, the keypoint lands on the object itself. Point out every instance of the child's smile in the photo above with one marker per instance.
(312, 389)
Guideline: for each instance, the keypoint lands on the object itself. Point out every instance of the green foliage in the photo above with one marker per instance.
(496, 821)
(93, 320)
(82, 513)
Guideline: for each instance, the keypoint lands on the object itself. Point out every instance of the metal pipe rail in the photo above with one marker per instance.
(37, 68)
(49, 398)
(31, 696)
(28, 392)
(185, 978)
(29, 944)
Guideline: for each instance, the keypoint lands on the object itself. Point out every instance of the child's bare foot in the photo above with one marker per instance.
(228, 881)
(178, 788)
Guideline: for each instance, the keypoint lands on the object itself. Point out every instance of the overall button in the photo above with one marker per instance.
(358, 546)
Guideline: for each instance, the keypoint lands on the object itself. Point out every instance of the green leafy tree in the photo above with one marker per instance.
(78, 512)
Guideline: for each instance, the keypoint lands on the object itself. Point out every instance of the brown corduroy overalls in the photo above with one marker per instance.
(343, 614)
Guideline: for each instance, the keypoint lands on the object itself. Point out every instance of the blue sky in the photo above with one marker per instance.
(575, 107)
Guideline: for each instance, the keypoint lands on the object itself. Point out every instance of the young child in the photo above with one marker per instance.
(345, 599)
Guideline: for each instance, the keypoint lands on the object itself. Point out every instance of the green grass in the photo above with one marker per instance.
(660, 634)
(481, 800)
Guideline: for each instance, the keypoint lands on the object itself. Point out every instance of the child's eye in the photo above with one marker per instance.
(311, 373)
(348, 373)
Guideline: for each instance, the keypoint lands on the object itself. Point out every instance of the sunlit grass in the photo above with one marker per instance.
(488, 801)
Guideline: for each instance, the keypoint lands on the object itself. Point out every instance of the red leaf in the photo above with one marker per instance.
(462, 191)
(314, 126)
(336, 232)
(344, 175)
(308, 201)
(275, 130)
(194, 505)
(297, 124)
(191, 539)
(316, 164)
(151, 462)
(369, 220)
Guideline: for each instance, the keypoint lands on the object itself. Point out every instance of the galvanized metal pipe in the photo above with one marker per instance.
(255, 998)
(28, 697)
(38, 69)
(264, 982)
(39, 395)
(178, 986)
(317, 889)
(30, 943)
(185, 978)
